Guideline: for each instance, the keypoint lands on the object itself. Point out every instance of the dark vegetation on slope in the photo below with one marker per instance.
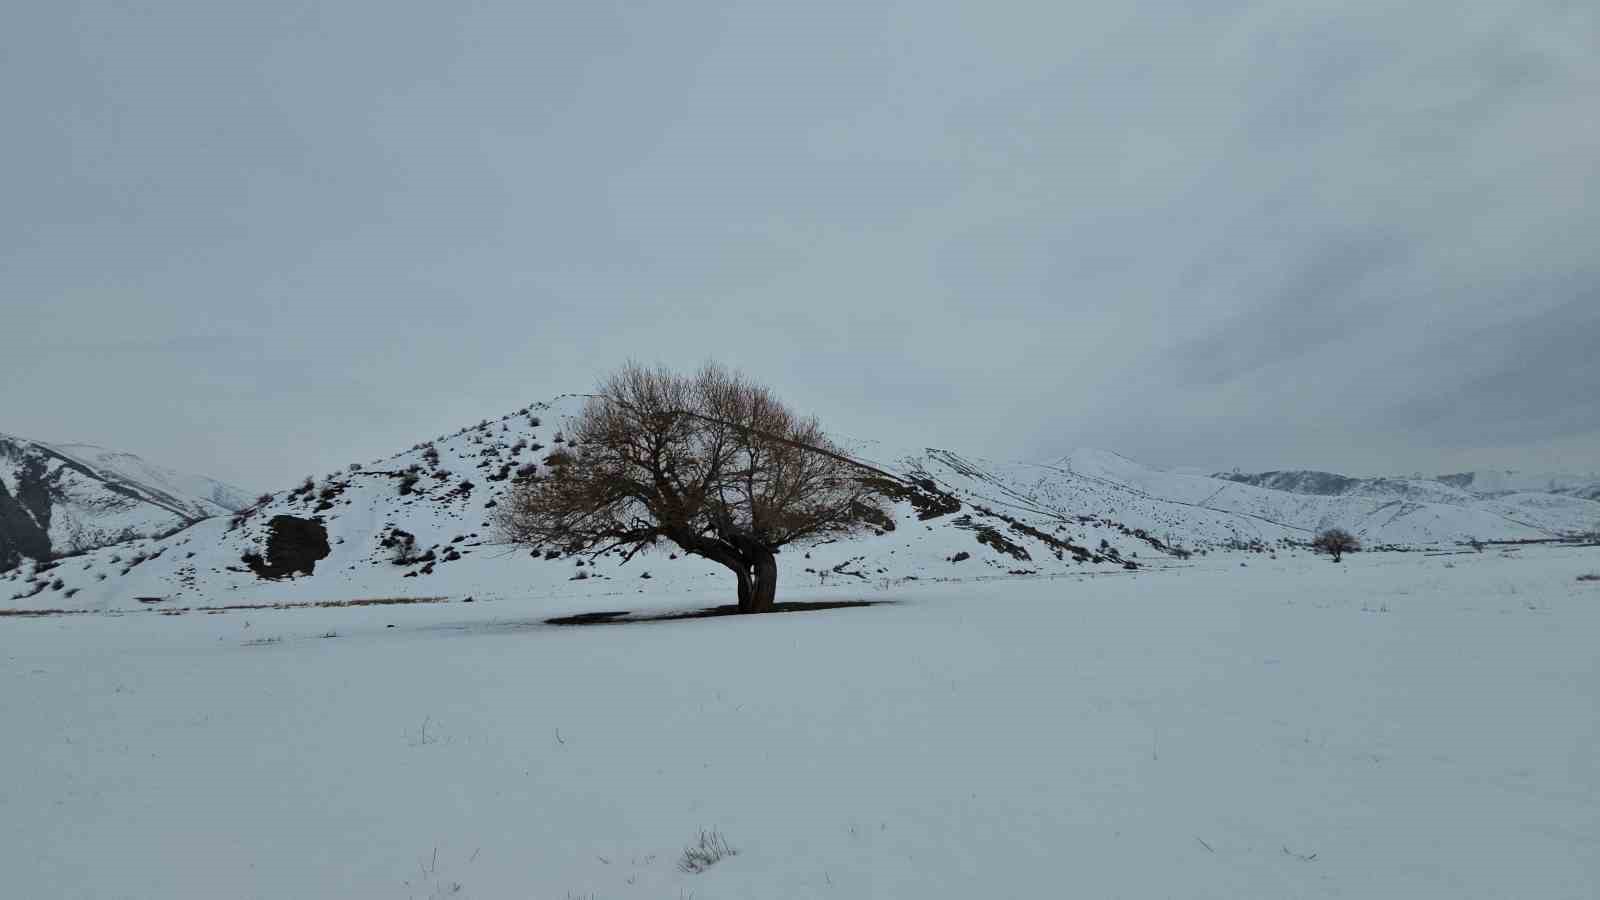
(1325, 484)
(293, 547)
(920, 491)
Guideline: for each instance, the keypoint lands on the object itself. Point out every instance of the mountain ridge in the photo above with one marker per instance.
(1487, 483)
(420, 522)
(60, 499)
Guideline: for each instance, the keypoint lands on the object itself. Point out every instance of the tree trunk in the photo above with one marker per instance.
(750, 561)
(766, 580)
(724, 554)
(746, 591)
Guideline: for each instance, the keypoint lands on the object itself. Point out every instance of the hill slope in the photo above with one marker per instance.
(65, 498)
(1206, 512)
(1473, 504)
(419, 524)
(1493, 482)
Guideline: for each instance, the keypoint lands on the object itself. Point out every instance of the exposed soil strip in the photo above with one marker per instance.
(177, 610)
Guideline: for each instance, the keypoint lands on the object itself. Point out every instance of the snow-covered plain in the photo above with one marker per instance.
(1399, 725)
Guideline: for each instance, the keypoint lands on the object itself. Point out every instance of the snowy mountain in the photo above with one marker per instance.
(419, 524)
(1540, 501)
(1329, 484)
(1493, 482)
(65, 498)
(207, 496)
(1444, 488)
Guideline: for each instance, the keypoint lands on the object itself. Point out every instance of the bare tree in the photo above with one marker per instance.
(712, 462)
(1336, 542)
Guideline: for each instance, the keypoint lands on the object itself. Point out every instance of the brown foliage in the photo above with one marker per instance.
(712, 462)
(1336, 542)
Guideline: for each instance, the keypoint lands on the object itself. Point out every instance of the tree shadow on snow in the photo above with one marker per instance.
(623, 617)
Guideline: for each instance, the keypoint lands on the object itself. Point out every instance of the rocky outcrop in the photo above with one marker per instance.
(24, 516)
(294, 545)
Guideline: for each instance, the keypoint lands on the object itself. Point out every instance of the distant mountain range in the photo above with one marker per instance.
(1494, 482)
(1442, 488)
(58, 499)
(420, 523)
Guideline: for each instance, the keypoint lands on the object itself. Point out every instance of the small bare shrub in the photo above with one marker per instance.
(705, 852)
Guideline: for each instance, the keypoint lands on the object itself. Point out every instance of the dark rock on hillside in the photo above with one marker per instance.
(294, 545)
(25, 518)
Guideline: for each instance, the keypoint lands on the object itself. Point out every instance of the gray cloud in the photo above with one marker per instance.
(256, 239)
(1323, 296)
(1534, 380)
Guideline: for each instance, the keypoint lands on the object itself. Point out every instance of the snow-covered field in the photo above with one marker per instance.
(1401, 725)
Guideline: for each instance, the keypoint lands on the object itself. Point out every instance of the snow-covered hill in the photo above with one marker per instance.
(207, 496)
(1543, 505)
(1488, 483)
(1200, 511)
(1492, 482)
(419, 523)
(64, 498)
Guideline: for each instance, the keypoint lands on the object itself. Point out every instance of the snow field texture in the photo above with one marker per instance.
(1399, 725)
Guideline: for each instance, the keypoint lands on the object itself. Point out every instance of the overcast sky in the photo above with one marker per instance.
(257, 240)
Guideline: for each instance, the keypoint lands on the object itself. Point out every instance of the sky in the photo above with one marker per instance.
(261, 240)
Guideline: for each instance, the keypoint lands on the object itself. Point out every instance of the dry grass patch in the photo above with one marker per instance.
(704, 853)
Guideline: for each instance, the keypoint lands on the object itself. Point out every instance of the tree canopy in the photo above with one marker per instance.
(1336, 542)
(712, 462)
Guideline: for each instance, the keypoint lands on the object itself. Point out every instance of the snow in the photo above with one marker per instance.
(98, 497)
(201, 566)
(1507, 481)
(207, 496)
(1089, 497)
(1399, 725)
